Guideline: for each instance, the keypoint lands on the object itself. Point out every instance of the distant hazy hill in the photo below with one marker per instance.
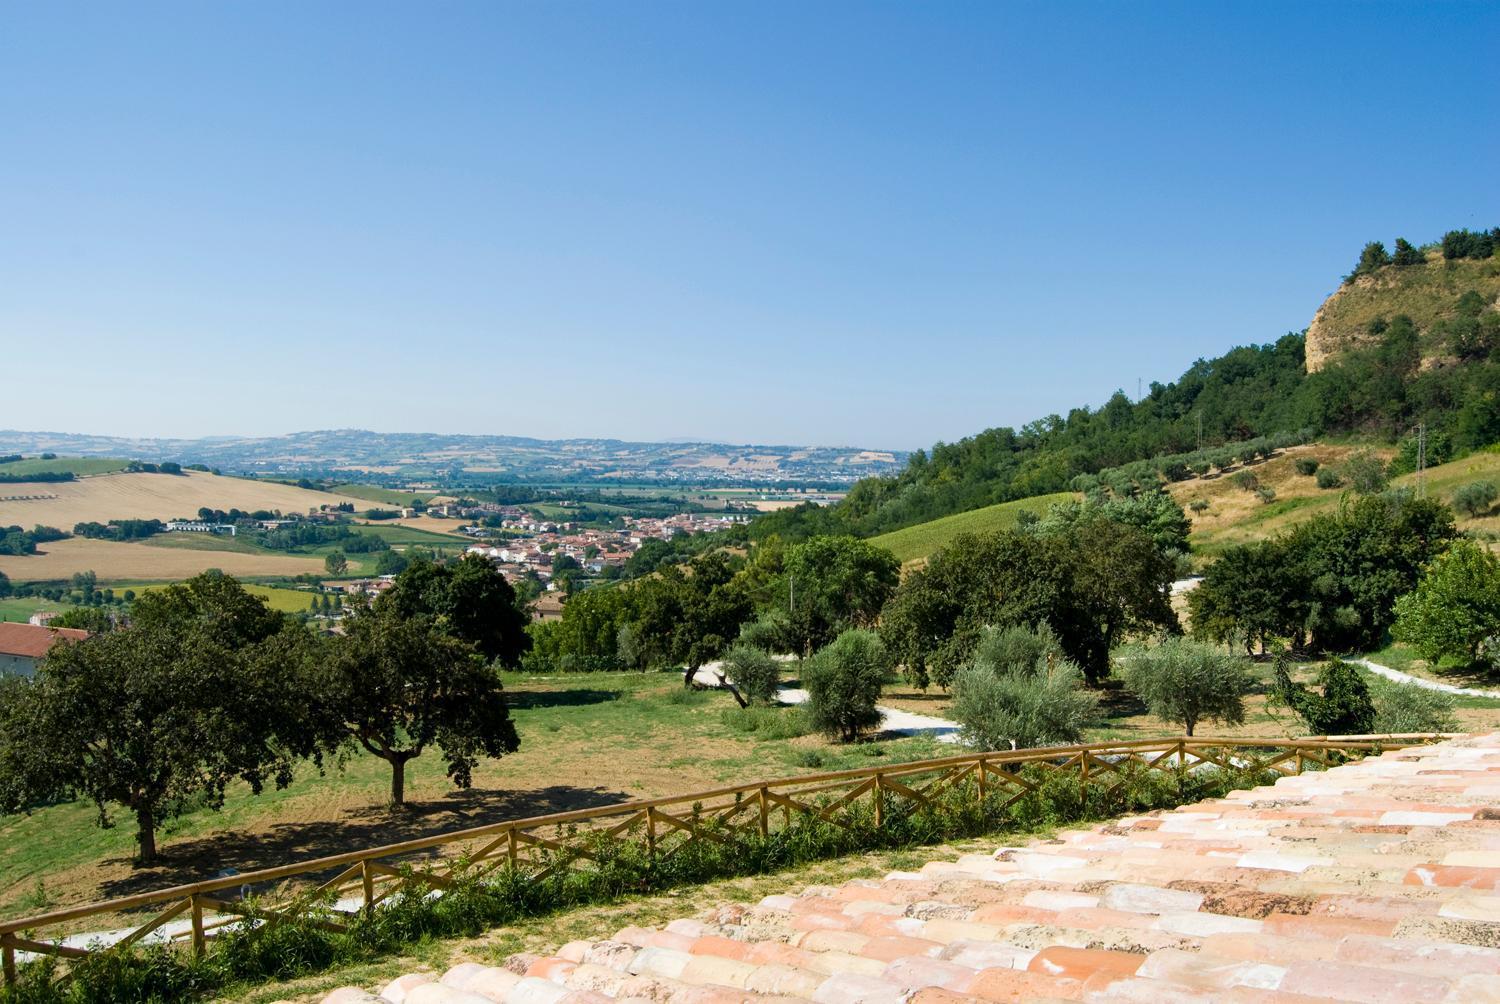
(407, 456)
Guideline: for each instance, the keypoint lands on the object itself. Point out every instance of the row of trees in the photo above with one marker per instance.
(793, 598)
(1330, 583)
(208, 686)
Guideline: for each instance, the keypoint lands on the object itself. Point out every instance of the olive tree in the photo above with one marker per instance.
(1020, 691)
(1185, 682)
(843, 682)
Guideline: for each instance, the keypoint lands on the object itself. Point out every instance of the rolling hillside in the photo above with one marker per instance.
(915, 543)
(1236, 516)
(1429, 294)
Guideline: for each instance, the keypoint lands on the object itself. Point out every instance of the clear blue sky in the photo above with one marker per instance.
(865, 224)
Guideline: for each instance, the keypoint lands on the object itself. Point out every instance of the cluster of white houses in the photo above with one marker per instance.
(593, 549)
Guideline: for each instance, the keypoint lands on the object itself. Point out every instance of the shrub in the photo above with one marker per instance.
(1408, 707)
(1198, 506)
(1328, 478)
(1476, 497)
(1245, 481)
(767, 723)
(1019, 691)
(1366, 473)
(1266, 495)
(754, 672)
(843, 682)
(1306, 466)
(770, 632)
(1185, 682)
(1343, 708)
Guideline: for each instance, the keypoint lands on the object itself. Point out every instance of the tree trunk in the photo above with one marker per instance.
(145, 836)
(398, 780)
(1190, 723)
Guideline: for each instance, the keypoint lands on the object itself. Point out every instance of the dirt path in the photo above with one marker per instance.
(1400, 677)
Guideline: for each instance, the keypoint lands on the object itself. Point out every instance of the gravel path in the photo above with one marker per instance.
(1400, 677)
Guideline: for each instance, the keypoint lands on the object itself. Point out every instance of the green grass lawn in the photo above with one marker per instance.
(76, 465)
(20, 608)
(587, 739)
(924, 539)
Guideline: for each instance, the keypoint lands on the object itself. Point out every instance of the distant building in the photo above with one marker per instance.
(43, 617)
(22, 646)
(196, 526)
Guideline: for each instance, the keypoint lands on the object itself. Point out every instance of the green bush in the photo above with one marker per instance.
(1407, 707)
(1266, 495)
(754, 672)
(1306, 466)
(1198, 506)
(1476, 498)
(1020, 691)
(1329, 478)
(1245, 481)
(767, 723)
(1343, 708)
(843, 682)
(1366, 473)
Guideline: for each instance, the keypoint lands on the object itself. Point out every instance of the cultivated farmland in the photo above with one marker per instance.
(150, 496)
(113, 561)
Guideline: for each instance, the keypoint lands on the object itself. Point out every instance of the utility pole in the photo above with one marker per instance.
(1421, 460)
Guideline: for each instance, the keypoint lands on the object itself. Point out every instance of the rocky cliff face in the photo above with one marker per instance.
(1428, 294)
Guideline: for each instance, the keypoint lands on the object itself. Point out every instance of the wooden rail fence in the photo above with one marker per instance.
(540, 846)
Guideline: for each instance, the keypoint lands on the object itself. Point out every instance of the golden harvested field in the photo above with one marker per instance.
(152, 496)
(113, 561)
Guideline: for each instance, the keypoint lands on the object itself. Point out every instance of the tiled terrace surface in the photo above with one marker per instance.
(1376, 881)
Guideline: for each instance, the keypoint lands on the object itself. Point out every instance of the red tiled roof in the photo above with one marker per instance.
(32, 641)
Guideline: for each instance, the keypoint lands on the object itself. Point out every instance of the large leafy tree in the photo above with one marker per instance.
(1455, 608)
(201, 690)
(835, 583)
(1330, 583)
(396, 685)
(470, 600)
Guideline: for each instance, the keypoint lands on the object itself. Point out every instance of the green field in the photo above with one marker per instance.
(403, 536)
(922, 540)
(75, 465)
(387, 496)
(20, 608)
(291, 601)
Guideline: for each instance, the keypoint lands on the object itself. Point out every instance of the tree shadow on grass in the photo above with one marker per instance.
(526, 700)
(198, 859)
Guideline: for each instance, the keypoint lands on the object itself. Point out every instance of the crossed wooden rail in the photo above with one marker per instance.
(541, 846)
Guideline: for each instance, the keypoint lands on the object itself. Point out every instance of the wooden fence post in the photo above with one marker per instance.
(367, 877)
(511, 851)
(8, 951)
(879, 802)
(651, 834)
(199, 942)
(765, 813)
(982, 781)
